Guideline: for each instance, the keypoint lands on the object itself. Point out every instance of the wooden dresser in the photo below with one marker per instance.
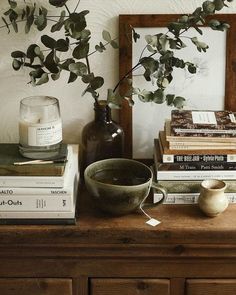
(187, 253)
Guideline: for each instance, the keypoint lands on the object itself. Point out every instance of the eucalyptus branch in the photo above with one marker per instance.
(10, 24)
(77, 5)
(141, 55)
(26, 64)
(88, 65)
(126, 76)
(105, 45)
(158, 69)
(52, 20)
(129, 72)
(67, 9)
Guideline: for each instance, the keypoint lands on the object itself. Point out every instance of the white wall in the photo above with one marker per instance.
(76, 110)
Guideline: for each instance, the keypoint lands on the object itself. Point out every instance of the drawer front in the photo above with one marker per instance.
(35, 286)
(211, 287)
(129, 287)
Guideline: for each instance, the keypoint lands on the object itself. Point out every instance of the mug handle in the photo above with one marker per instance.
(159, 188)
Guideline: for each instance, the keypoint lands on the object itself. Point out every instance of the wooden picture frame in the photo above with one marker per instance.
(126, 22)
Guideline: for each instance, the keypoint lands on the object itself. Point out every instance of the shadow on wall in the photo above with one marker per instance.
(72, 131)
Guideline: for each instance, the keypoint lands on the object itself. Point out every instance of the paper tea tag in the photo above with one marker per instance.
(153, 222)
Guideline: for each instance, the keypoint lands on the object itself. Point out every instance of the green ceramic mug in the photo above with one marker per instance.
(119, 186)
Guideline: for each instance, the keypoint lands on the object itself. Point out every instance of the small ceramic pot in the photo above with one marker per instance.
(212, 199)
(119, 186)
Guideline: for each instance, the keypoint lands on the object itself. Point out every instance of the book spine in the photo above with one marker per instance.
(194, 166)
(219, 132)
(39, 221)
(36, 203)
(172, 158)
(192, 186)
(19, 191)
(36, 215)
(195, 175)
(31, 181)
(174, 146)
(183, 198)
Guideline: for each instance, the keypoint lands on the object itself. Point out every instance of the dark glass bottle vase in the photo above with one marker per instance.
(102, 138)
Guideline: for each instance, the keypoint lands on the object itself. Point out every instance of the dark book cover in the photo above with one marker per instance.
(9, 154)
(38, 221)
(212, 123)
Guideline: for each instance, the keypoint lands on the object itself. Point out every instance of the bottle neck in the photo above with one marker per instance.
(102, 112)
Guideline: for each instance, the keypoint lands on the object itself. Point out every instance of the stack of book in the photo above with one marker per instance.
(195, 145)
(35, 192)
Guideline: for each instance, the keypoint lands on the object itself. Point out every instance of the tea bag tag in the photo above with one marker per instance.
(153, 222)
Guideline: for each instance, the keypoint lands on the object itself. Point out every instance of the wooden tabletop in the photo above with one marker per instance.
(179, 224)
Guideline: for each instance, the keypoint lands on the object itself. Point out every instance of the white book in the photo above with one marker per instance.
(41, 203)
(186, 198)
(40, 181)
(37, 215)
(196, 175)
(66, 191)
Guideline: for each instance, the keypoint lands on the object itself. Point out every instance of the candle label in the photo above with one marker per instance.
(45, 134)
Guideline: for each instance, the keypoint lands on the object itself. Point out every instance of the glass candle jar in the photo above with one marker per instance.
(40, 127)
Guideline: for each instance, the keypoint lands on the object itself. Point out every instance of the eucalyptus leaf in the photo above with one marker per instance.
(113, 99)
(170, 99)
(192, 69)
(158, 96)
(49, 42)
(16, 64)
(179, 102)
(81, 50)
(37, 73)
(30, 53)
(219, 4)
(208, 7)
(50, 63)
(72, 77)
(136, 36)
(14, 25)
(60, 23)
(44, 79)
(41, 19)
(12, 3)
(96, 83)
(88, 78)
(78, 21)
(55, 76)
(65, 65)
(130, 101)
(78, 68)
(114, 44)
(201, 46)
(151, 49)
(18, 54)
(100, 47)
(152, 40)
(145, 96)
(106, 36)
(58, 3)
(62, 45)
(29, 18)
(13, 17)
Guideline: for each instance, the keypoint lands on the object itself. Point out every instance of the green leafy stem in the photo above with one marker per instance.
(45, 60)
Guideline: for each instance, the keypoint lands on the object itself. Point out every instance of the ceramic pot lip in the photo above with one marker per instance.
(92, 165)
(213, 184)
